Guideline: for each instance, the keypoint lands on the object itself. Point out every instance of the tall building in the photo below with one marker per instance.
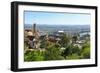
(36, 35)
(34, 28)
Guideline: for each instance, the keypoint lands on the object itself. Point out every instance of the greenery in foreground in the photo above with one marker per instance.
(53, 51)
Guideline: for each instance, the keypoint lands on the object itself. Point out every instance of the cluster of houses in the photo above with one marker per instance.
(33, 37)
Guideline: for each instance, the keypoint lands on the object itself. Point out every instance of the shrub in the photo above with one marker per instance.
(35, 55)
(86, 53)
(73, 56)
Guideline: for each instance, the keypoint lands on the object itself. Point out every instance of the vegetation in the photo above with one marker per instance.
(86, 50)
(65, 40)
(35, 55)
(53, 51)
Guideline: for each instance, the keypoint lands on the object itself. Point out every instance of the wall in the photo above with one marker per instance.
(5, 17)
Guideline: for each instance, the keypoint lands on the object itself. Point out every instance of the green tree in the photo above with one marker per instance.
(71, 50)
(76, 50)
(65, 40)
(67, 51)
(75, 38)
(53, 53)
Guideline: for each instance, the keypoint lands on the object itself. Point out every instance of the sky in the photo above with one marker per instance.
(51, 18)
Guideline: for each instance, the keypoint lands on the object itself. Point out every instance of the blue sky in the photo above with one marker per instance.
(56, 18)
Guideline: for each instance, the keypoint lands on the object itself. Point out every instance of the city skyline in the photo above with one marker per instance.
(50, 18)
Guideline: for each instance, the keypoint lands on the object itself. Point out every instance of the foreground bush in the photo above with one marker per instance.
(35, 55)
